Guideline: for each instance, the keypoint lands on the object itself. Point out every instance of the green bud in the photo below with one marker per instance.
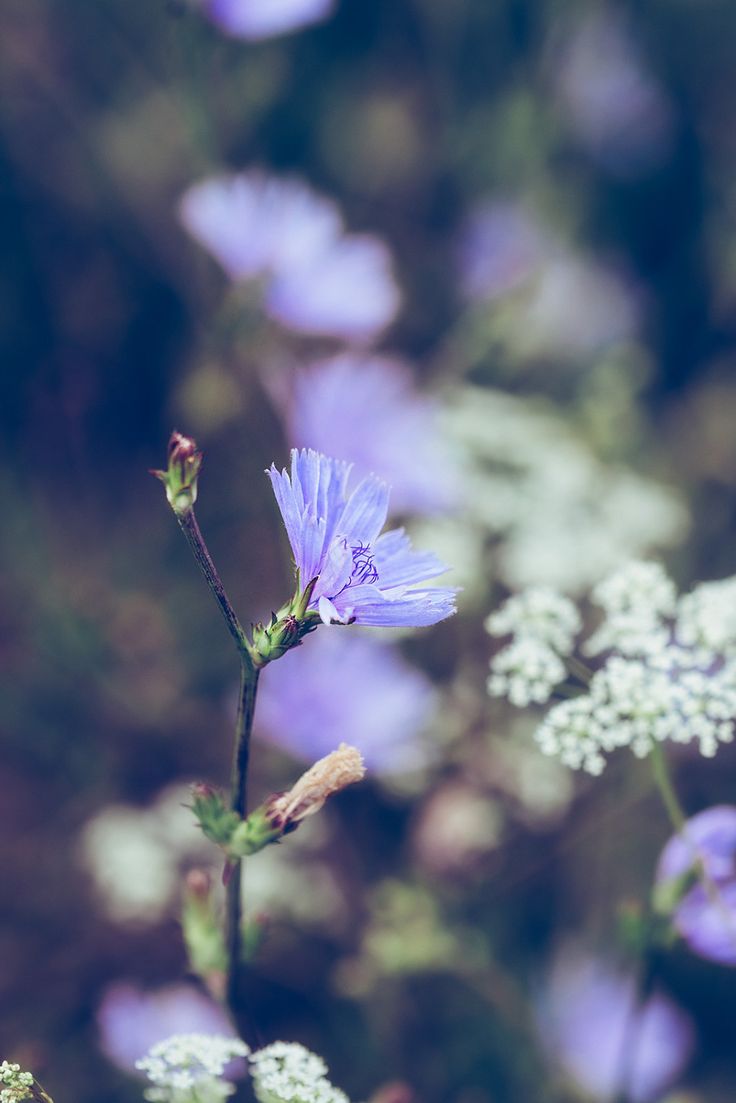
(202, 930)
(180, 477)
(668, 894)
(253, 833)
(218, 822)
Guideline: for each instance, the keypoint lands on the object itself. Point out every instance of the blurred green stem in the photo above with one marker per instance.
(241, 748)
(663, 781)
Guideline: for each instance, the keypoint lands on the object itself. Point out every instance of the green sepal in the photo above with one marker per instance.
(218, 822)
(253, 834)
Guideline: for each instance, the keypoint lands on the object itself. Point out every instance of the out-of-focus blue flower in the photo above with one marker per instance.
(592, 1026)
(358, 575)
(256, 19)
(348, 687)
(316, 278)
(708, 925)
(616, 107)
(564, 303)
(501, 245)
(368, 411)
(131, 1020)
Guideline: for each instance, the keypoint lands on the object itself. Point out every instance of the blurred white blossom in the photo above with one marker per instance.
(558, 515)
(134, 855)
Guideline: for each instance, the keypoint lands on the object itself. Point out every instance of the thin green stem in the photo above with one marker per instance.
(190, 528)
(663, 781)
(239, 801)
(249, 671)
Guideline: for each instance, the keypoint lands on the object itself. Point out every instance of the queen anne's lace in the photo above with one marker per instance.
(286, 1072)
(669, 671)
(16, 1084)
(543, 625)
(188, 1068)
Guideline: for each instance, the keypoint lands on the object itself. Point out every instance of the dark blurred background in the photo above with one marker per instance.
(611, 126)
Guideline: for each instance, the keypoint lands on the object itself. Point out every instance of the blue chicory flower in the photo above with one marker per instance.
(130, 1020)
(593, 1028)
(707, 925)
(347, 572)
(383, 701)
(317, 279)
(258, 19)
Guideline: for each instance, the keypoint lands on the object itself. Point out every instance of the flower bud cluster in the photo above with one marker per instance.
(16, 1084)
(669, 671)
(286, 1072)
(188, 1068)
(543, 625)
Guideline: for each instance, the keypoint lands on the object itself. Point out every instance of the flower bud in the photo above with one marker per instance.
(180, 477)
(218, 822)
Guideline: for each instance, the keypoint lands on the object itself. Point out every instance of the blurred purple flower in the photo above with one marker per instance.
(617, 109)
(339, 687)
(317, 279)
(256, 19)
(131, 1020)
(592, 1026)
(360, 576)
(500, 247)
(367, 410)
(707, 925)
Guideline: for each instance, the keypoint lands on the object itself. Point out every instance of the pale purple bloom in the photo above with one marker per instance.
(592, 1025)
(256, 19)
(368, 411)
(316, 278)
(131, 1020)
(708, 925)
(616, 107)
(360, 575)
(348, 687)
(501, 245)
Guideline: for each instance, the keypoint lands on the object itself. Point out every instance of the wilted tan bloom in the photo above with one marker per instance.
(332, 773)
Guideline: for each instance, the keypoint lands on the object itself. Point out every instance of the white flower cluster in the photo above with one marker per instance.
(286, 1072)
(16, 1083)
(669, 672)
(543, 625)
(188, 1068)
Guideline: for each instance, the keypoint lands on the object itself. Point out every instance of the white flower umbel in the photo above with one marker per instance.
(669, 673)
(15, 1084)
(637, 600)
(286, 1072)
(543, 625)
(188, 1068)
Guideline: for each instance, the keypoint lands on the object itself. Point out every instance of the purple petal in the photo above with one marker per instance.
(347, 291)
(399, 565)
(415, 609)
(365, 513)
(257, 19)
